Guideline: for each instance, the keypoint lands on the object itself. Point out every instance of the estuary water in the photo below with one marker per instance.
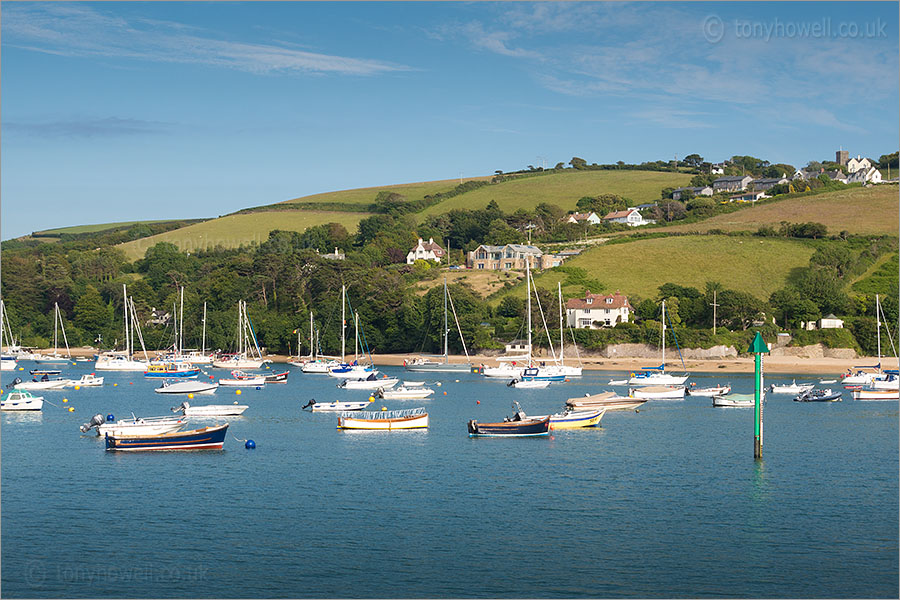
(664, 502)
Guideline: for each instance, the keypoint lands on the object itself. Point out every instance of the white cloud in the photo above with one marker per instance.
(76, 30)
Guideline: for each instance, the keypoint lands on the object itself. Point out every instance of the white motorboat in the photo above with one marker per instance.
(250, 382)
(371, 383)
(44, 384)
(659, 392)
(510, 370)
(793, 388)
(211, 410)
(16, 400)
(889, 383)
(528, 384)
(134, 425)
(316, 406)
(618, 382)
(410, 390)
(709, 392)
(188, 387)
(88, 380)
(736, 400)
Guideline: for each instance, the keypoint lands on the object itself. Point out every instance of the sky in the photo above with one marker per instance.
(160, 110)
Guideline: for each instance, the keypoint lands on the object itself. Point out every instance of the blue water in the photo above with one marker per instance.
(665, 502)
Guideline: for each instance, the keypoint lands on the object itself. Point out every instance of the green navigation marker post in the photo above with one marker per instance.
(757, 347)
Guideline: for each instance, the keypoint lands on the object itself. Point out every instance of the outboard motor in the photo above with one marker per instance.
(308, 404)
(183, 408)
(15, 382)
(96, 421)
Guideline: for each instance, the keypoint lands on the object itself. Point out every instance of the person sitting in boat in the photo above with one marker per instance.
(45, 377)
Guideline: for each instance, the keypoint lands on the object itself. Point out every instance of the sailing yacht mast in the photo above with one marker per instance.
(55, 319)
(878, 327)
(664, 336)
(356, 336)
(181, 326)
(343, 323)
(446, 329)
(562, 341)
(528, 292)
(203, 350)
(310, 338)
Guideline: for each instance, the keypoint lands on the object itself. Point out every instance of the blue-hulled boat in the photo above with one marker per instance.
(178, 370)
(207, 438)
(518, 425)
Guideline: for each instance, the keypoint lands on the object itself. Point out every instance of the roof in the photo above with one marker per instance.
(831, 316)
(732, 178)
(769, 180)
(620, 214)
(599, 301)
(524, 248)
(582, 216)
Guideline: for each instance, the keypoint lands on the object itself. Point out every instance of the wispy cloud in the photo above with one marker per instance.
(77, 30)
(475, 33)
(672, 118)
(87, 127)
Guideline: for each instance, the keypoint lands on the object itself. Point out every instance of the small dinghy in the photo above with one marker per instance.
(187, 387)
(206, 438)
(211, 410)
(45, 372)
(89, 380)
(709, 392)
(575, 419)
(386, 420)
(314, 406)
(528, 384)
(791, 388)
(824, 395)
(735, 401)
(134, 425)
(519, 425)
(372, 382)
(605, 400)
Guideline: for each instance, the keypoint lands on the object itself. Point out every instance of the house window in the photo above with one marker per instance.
(590, 301)
(609, 300)
(509, 265)
(480, 265)
(587, 310)
(606, 311)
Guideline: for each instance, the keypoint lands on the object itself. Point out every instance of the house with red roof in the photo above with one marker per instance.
(598, 310)
(423, 251)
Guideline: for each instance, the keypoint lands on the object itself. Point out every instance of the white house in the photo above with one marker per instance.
(870, 175)
(597, 310)
(734, 183)
(717, 169)
(629, 216)
(855, 164)
(591, 218)
(517, 347)
(748, 197)
(423, 251)
(831, 322)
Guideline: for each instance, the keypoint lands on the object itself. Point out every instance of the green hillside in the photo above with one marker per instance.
(232, 231)
(564, 189)
(758, 266)
(411, 191)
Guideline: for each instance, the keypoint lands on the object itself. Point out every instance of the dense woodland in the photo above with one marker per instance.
(285, 278)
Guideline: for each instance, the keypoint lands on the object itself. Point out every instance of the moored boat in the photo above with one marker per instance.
(172, 370)
(735, 401)
(187, 387)
(20, 400)
(369, 383)
(134, 425)
(251, 382)
(407, 391)
(528, 384)
(709, 392)
(607, 400)
(315, 406)
(825, 395)
(518, 425)
(277, 377)
(211, 410)
(87, 380)
(876, 395)
(575, 419)
(659, 392)
(205, 438)
(791, 388)
(45, 383)
(414, 418)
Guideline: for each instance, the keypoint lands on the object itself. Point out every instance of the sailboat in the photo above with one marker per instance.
(7, 361)
(868, 375)
(245, 357)
(443, 366)
(56, 357)
(532, 377)
(315, 362)
(350, 370)
(561, 367)
(124, 360)
(658, 375)
(885, 385)
(202, 357)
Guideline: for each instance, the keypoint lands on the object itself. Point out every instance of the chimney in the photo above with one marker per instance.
(430, 240)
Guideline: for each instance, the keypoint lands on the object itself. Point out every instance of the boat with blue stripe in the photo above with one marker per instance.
(206, 438)
(177, 370)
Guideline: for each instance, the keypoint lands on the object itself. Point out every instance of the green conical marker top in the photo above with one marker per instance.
(758, 345)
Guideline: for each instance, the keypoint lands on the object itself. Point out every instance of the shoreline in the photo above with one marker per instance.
(771, 364)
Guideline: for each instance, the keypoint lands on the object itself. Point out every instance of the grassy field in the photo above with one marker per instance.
(412, 191)
(857, 210)
(93, 228)
(233, 230)
(564, 190)
(758, 266)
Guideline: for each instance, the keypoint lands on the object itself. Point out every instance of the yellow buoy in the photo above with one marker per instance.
(190, 396)
(77, 387)
(21, 368)
(445, 393)
(439, 384)
(115, 384)
(371, 398)
(238, 392)
(71, 409)
(73, 364)
(384, 408)
(65, 399)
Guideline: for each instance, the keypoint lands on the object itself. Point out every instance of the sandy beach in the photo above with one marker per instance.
(772, 364)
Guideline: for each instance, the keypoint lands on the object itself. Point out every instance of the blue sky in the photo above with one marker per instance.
(123, 111)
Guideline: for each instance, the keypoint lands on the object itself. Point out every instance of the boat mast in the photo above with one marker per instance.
(125, 316)
(181, 326)
(343, 324)
(528, 292)
(356, 336)
(878, 327)
(240, 332)
(562, 344)
(63, 328)
(55, 319)
(664, 336)
(310, 338)
(203, 350)
(446, 329)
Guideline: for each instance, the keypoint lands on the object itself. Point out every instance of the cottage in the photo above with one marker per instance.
(717, 169)
(767, 183)
(733, 183)
(517, 347)
(704, 190)
(591, 218)
(596, 310)
(159, 317)
(629, 216)
(748, 197)
(831, 322)
(807, 174)
(423, 251)
(858, 163)
(836, 176)
(870, 175)
(337, 255)
(510, 256)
